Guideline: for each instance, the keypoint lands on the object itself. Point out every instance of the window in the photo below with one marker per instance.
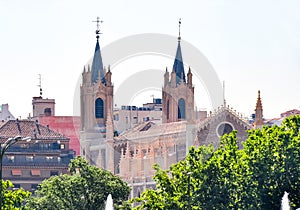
(53, 173)
(24, 146)
(168, 109)
(47, 112)
(181, 109)
(16, 186)
(34, 187)
(146, 119)
(49, 158)
(29, 158)
(47, 146)
(99, 108)
(11, 158)
(224, 128)
(116, 117)
(55, 145)
(62, 146)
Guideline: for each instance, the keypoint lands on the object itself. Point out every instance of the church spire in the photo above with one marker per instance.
(178, 63)
(97, 66)
(258, 123)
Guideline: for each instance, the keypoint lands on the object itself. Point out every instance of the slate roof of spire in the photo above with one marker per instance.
(178, 65)
(97, 66)
(11, 129)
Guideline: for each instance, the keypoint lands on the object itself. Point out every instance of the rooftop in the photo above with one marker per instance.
(26, 128)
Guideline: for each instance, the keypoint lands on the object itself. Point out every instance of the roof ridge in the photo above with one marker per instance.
(29, 128)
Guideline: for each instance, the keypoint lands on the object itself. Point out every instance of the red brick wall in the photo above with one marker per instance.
(67, 125)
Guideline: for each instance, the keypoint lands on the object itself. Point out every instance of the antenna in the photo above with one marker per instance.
(98, 21)
(40, 85)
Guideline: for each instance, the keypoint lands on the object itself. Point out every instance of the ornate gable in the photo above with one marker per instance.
(224, 120)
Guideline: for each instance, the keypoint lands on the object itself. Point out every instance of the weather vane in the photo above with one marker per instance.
(98, 21)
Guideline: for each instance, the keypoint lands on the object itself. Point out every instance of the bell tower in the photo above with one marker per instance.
(177, 93)
(96, 98)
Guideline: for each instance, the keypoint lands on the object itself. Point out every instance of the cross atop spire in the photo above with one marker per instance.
(97, 65)
(178, 62)
(179, 24)
(98, 21)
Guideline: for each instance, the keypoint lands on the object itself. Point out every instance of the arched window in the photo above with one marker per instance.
(47, 112)
(181, 109)
(99, 108)
(168, 109)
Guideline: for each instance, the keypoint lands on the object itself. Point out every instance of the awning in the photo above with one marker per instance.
(36, 172)
(16, 172)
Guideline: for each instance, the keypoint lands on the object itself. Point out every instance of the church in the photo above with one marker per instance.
(132, 154)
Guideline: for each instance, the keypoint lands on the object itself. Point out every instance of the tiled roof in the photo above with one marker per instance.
(290, 112)
(26, 128)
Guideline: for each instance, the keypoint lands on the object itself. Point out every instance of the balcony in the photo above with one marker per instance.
(62, 162)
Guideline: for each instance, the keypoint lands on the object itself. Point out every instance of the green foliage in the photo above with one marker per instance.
(254, 177)
(87, 187)
(273, 157)
(13, 199)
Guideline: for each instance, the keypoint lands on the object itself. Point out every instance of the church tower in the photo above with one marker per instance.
(96, 98)
(177, 92)
(258, 123)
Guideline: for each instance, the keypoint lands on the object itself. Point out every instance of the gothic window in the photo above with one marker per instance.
(168, 109)
(181, 109)
(99, 108)
(224, 128)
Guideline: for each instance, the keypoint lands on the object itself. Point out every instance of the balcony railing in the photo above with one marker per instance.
(62, 163)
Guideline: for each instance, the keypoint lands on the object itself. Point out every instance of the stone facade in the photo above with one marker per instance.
(223, 121)
(97, 130)
(177, 94)
(43, 107)
(258, 122)
(132, 154)
(139, 148)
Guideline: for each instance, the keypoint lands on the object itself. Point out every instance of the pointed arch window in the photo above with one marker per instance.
(168, 109)
(181, 109)
(99, 108)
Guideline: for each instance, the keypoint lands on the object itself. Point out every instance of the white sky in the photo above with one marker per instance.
(251, 45)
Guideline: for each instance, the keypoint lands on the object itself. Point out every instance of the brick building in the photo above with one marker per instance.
(27, 164)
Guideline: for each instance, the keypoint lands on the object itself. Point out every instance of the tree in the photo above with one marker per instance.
(175, 187)
(273, 158)
(87, 187)
(254, 177)
(13, 199)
